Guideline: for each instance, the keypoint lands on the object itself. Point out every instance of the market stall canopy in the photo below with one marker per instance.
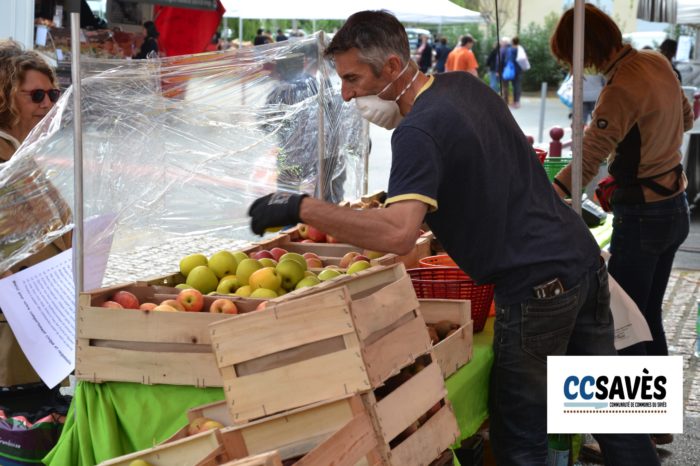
(669, 11)
(439, 12)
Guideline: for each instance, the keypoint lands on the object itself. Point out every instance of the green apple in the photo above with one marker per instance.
(306, 282)
(246, 268)
(281, 291)
(227, 285)
(182, 286)
(244, 291)
(309, 273)
(294, 256)
(223, 263)
(267, 262)
(240, 255)
(267, 277)
(188, 263)
(263, 293)
(327, 274)
(357, 266)
(203, 279)
(291, 272)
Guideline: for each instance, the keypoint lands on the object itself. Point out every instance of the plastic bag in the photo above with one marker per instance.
(521, 59)
(509, 71)
(566, 91)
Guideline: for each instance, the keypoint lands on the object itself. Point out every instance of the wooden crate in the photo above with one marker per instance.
(384, 431)
(456, 350)
(130, 345)
(360, 429)
(289, 240)
(264, 459)
(343, 336)
(203, 449)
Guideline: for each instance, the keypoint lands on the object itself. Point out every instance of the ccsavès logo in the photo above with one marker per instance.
(615, 394)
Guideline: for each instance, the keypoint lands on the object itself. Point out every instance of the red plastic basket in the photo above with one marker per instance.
(441, 260)
(541, 154)
(453, 283)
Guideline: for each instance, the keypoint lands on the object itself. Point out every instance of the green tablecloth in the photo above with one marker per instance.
(112, 419)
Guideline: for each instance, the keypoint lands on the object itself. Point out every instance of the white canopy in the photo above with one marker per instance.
(415, 11)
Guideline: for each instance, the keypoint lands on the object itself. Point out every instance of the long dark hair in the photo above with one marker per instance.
(151, 30)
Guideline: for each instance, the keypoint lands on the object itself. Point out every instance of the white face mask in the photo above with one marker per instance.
(384, 113)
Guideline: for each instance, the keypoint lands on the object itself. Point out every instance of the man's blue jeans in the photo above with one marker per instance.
(644, 242)
(576, 322)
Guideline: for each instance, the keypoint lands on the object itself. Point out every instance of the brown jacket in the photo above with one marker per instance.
(639, 119)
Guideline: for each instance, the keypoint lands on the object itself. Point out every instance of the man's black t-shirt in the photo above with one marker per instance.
(460, 151)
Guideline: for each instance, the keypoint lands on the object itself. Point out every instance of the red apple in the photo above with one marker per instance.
(346, 260)
(112, 304)
(359, 257)
(277, 253)
(223, 306)
(303, 230)
(314, 263)
(262, 254)
(261, 306)
(316, 234)
(174, 304)
(310, 255)
(191, 300)
(148, 306)
(307, 240)
(331, 239)
(126, 299)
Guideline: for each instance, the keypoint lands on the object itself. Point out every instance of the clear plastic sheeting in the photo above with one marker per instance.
(178, 148)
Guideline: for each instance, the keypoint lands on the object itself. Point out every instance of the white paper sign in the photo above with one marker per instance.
(41, 33)
(39, 302)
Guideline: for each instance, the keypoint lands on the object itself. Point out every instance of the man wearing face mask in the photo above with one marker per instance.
(461, 163)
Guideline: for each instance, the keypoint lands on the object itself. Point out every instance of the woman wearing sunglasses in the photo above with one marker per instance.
(28, 90)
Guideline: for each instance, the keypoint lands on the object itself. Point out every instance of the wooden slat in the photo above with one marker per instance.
(96, 364)
(264, 459)
(346, 447)
(399, 348)
(185, 452)
(383, 307)
(428, 443)
(298, 384)
(272, 330)
(455, 351)
(136, 325)
(298, 432)
(408, 402)
(454, 310)
(216, 411)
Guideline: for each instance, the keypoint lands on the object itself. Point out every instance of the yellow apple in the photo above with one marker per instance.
(245, 269)
(188, 263)
(203, 279)
(267, 277)
(357, 266)
(291, 272)
(223, 263)
(263, 293)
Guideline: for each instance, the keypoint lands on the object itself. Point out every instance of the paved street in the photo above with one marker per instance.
(679, 305)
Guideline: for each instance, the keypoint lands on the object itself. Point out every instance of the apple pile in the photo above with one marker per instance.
(187, 300)
(265, 274)
(441, 330)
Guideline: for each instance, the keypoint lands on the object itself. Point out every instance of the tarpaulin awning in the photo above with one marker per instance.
(669, 11)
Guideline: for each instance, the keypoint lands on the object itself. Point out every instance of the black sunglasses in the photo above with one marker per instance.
(38, 95)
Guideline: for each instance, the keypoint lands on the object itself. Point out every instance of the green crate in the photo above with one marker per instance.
(553, 165)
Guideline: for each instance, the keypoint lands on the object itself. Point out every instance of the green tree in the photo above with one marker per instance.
(543, 65)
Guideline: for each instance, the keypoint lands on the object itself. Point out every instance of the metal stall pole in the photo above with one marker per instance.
(365, 156)
(543, 104)
(240, 32)
(322, 184)
(577, 139)
(78, 265)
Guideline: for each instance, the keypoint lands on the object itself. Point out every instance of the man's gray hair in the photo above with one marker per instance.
(376, 35)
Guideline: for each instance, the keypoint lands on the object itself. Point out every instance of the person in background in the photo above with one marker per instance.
(424, 54)
(441, 52)
(511, 56)
(458, 156)
(462, 58)
(280, 37)
(668, 49)
(213, 44)
(149, 46)
(259, 37)
(638, 125)
(493, 63)
(28, 91)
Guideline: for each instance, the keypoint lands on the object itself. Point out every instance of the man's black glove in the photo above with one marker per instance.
(274, 211)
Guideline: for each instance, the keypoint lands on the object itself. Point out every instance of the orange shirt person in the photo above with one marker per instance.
(462, 58)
